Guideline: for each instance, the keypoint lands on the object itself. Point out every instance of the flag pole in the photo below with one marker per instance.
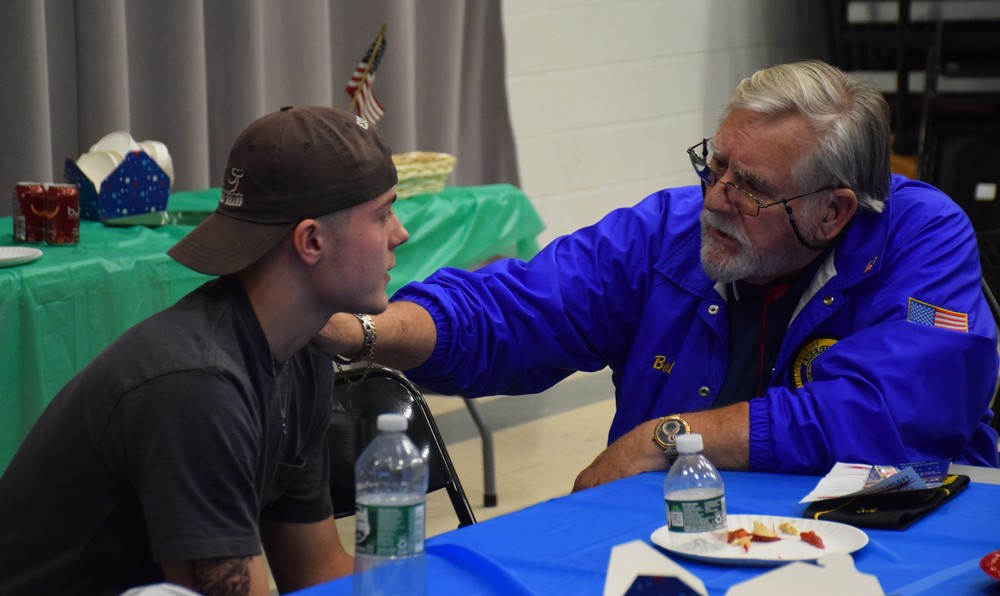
(368, 66)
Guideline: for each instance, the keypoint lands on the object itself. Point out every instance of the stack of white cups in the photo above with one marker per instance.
(105, 155)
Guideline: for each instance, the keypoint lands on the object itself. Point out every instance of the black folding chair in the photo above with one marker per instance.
(995, 311)
(357, 405)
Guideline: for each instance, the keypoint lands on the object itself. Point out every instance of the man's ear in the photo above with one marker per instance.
(307, 241)
(837, 213)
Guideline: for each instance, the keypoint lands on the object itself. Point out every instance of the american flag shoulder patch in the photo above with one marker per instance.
(923, 313)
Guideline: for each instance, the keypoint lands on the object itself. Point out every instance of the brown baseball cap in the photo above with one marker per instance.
(287, 166)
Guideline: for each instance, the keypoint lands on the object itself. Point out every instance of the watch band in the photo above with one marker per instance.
(367, 346)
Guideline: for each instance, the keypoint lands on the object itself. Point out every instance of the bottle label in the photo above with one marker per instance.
(390, 531)
(701, 515)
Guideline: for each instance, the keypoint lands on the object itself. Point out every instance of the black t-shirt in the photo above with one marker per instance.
(170, 445)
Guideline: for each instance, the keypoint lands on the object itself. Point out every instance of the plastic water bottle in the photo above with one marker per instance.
(390, 493)
(696, 499)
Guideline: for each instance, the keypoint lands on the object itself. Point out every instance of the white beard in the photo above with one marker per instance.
(724, 267)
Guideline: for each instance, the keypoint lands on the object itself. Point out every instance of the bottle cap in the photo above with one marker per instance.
(689, 443)
(392, 422)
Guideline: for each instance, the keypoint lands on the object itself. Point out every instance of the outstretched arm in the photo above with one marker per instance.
(725, 432)
(405, 336)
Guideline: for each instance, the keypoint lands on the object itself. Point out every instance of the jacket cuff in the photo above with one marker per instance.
(760, 436)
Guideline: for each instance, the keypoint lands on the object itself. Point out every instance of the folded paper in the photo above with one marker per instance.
(832, 575)
(637, 559)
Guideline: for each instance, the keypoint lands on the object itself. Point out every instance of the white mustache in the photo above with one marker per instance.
(724, 225)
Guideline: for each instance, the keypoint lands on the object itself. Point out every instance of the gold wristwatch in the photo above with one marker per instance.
(666, 433)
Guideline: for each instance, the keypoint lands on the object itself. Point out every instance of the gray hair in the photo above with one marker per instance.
(850, 119)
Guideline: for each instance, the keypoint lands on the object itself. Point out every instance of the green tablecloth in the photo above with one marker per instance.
(58, 312)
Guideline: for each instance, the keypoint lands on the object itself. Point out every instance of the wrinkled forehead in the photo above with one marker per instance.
(789, 128)
(762, 146)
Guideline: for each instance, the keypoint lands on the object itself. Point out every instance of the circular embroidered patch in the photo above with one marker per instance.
(802, 364)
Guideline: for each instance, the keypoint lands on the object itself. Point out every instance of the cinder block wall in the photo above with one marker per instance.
(605, 95)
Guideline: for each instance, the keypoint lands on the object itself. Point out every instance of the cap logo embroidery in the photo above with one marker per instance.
(230, 197)
(361, 122)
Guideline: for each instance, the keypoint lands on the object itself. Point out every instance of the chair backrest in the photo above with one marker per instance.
(995, 311)
(965, 164)
(357, 404)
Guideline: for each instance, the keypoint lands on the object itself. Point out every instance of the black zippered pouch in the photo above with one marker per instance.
(887, 511)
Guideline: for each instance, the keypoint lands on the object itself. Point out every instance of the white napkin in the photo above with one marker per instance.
(833, 575)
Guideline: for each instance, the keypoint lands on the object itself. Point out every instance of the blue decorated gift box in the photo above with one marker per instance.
(137, 185)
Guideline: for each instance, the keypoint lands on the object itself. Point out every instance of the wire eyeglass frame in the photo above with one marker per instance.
(709, 177)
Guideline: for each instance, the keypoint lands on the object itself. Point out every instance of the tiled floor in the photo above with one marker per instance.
(540, 441)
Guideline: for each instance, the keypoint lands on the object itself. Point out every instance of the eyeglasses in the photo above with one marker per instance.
(744, 200)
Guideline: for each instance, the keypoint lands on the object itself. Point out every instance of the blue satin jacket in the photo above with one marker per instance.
(890, 357)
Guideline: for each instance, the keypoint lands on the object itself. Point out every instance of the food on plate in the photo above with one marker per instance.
(788, 528)
(741, 538)
(762, 533)
(812, 538)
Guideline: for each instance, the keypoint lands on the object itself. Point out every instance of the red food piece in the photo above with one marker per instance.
(812, 538)
(740, 537)
(759, 538)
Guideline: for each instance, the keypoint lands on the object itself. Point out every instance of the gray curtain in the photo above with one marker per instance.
(194, 73)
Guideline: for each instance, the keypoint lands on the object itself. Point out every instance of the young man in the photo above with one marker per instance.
(201, 433)
(801, 307)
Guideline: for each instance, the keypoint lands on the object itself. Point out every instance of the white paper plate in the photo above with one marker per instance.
(17, 255)
(837, 538)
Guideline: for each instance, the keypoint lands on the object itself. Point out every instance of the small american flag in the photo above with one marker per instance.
(935, 316)
(361, 87)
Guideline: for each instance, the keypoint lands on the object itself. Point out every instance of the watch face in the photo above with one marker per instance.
(667, 431)
(672, 426)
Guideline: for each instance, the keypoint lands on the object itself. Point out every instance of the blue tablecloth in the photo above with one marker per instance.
(562, 546)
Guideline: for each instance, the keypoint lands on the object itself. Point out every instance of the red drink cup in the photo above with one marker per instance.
(62, 213)
(29, 212)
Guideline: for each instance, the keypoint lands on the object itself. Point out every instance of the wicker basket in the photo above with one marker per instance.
(422, 172)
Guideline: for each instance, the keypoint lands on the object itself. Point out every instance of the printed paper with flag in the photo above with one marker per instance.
(935, 316)
(361, 87)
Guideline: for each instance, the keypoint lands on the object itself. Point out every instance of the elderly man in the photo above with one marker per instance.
(801, 307)
(201, 432)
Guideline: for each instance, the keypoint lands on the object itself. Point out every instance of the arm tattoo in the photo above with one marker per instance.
(222, 576)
